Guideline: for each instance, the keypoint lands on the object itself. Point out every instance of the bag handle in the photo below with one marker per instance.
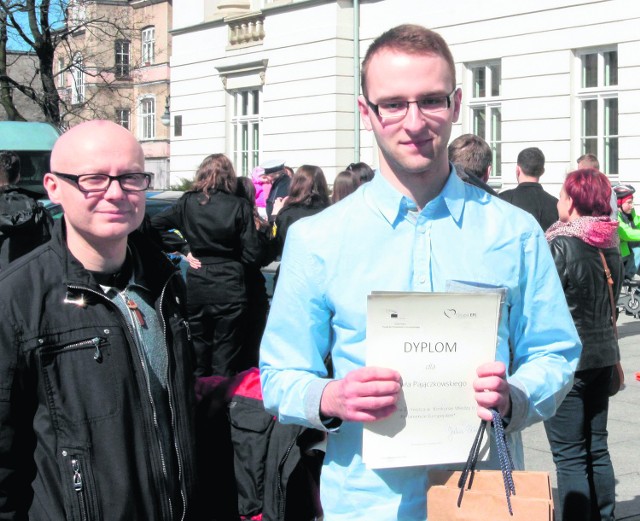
(504, 456)
(607, 274)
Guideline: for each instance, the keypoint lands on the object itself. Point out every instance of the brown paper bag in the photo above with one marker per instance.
(484, 497)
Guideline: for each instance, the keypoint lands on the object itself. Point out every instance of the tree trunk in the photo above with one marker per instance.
(6, 95)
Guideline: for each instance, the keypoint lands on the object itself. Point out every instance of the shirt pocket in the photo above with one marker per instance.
(80, 377)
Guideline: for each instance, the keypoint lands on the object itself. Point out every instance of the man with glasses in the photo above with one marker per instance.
(415, 227)
(96, 390)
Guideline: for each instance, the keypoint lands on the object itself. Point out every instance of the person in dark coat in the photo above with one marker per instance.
(222, 239)
(97, 402)
(257, 296)
(277, 174)
(309, 194)
(529, 194)
(24, 223)
(578, 432)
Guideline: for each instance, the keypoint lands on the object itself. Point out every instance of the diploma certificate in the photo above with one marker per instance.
(436, 341)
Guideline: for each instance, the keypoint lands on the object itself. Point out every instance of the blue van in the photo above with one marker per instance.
(33, 143)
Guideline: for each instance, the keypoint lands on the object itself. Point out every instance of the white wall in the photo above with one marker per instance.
(308, 99)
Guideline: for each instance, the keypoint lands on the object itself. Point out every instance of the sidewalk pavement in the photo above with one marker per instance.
(624, 430)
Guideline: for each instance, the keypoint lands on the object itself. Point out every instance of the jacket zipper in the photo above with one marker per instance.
(282, 493)
(95, 342)
(170, 393)
(148, 387)
(79, 488)
(154, 413)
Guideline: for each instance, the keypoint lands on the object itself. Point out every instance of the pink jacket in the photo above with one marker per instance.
(262, 186)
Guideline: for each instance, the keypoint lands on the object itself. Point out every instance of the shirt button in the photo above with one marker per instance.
(422, 229)
(422, 279)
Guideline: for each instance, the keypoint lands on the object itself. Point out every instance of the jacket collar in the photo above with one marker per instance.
(152, 268)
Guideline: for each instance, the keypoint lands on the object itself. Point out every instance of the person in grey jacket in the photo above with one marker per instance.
(96, 387)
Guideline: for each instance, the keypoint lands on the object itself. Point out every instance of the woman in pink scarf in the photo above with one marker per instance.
(577, 433)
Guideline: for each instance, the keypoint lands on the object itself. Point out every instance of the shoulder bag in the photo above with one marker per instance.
(617, 379)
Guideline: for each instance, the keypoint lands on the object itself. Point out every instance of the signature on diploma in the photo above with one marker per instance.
(457, 430)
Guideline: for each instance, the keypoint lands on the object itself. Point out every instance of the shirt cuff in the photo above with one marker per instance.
(312, 407)
(519, 407)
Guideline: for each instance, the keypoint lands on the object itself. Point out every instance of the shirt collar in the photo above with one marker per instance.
(394, 206)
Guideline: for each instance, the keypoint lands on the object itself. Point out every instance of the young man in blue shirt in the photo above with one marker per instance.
(415, 227)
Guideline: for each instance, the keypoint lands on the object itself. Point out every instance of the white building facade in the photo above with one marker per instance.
(261, 80)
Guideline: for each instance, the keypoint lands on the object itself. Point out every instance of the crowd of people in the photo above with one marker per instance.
(117, 373)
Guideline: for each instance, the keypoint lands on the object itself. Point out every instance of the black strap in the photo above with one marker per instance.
(504, 456)
(607, 274)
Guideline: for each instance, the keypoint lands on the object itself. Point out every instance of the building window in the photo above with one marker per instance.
(122, 59)
(77, 14)
(148, 118)
(123, 117)
(245, 123)
(148, 45)
(77, 75)
(61, 74)
(598, 98)
(485, 108)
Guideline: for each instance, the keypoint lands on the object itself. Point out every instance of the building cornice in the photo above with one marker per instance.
(276, 7)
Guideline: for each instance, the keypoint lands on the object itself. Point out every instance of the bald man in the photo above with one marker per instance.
(96, 400)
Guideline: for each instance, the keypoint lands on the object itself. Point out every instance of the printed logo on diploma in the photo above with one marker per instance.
(436, 341)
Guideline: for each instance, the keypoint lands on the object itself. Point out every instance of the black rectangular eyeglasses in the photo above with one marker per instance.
(398, 109)
(130, 182)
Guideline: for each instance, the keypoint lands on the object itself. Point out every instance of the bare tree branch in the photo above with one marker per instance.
(57, 33)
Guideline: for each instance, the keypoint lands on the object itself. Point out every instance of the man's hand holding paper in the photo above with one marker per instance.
(364, 395)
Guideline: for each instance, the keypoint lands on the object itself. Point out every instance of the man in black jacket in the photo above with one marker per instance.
(529, 194)
(96, 390)
(24, 223)
(280, 182)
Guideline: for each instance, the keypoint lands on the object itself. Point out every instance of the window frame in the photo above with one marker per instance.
(120, 120)
(148, 41)
(245, 129)
(602, 94)
(120, 57)
(78, 83)
(147, 120)
(492, 105)
(62, 80)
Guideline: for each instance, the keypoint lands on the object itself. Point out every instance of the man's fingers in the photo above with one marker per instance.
(367, 374)
(373, 388)
(492, 369)
(489, 383)
(372, 415)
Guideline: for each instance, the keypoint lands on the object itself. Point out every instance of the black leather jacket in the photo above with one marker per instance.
(585, 287)
(78, 433)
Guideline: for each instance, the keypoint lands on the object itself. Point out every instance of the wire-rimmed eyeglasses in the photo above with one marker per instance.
(398, 109)
(130, 182)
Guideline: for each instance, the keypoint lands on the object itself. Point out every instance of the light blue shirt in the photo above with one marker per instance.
(375, 240)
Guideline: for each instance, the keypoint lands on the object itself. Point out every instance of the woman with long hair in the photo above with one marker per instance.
(308, 195)
(222, 239)
(363, 172)
(256, 284)
(344, 184)
(577, 433)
